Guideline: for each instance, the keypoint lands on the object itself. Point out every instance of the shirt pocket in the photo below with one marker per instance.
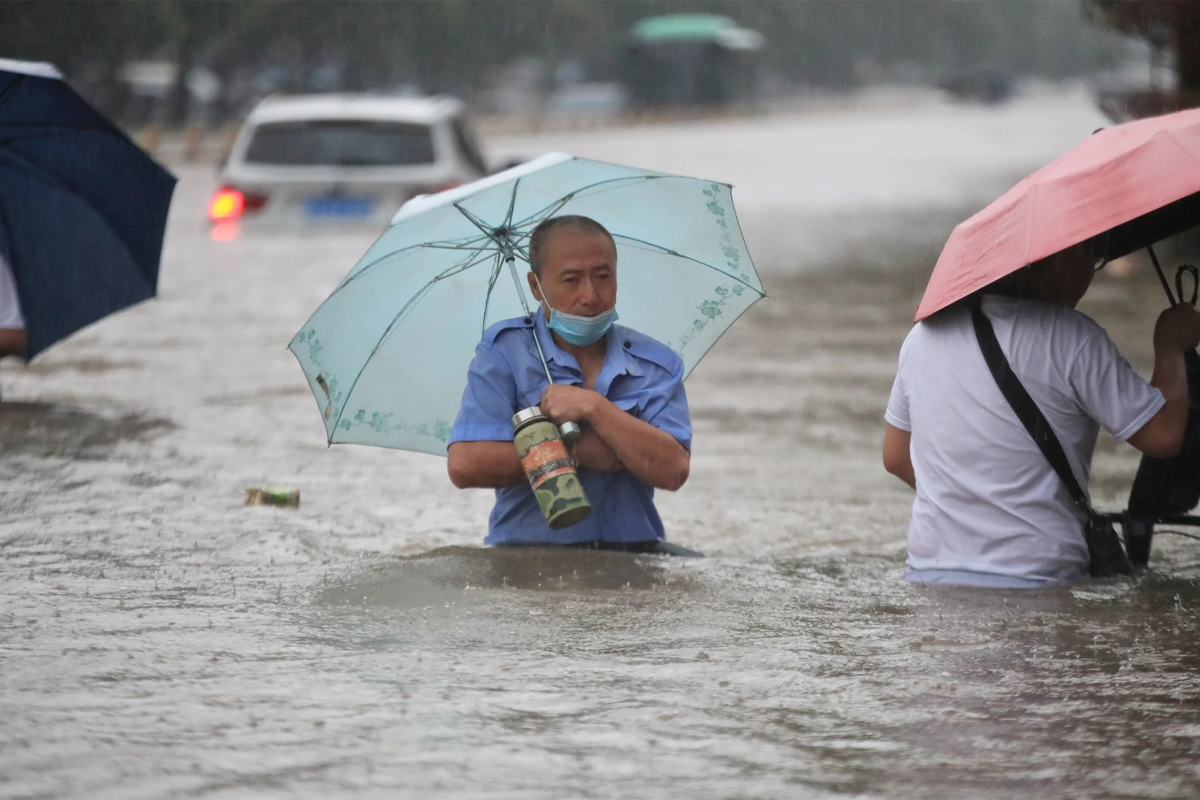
(528, 399)
(630, 405)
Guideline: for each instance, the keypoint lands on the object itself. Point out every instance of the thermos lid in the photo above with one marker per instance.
(526, 414)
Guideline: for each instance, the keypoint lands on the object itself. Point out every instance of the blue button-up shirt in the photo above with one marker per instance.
(640, 376)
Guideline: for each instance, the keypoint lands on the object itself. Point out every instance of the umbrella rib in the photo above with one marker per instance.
(512, 203)
(549, 211)
(557, 204)
(1170, 136)
(467, 244)
(478, 223)
(37, 172)
(487, 300)
(8, 90)
(474, 220)
(483, 226)
(453, 270)
(462, 266)
(666, 251)
(393, 256)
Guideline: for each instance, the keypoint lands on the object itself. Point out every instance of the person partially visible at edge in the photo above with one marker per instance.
(989, 508)
(13, 341)
(623, 387)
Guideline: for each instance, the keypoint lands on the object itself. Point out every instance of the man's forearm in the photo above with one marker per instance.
(1162, 436)
(1176, 333)
(654, 456)
(1170, 378)
(592, 452)
(897, 455)
(484, 465)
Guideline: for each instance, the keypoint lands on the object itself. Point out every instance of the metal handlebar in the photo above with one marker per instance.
(1187, 269)
(1139, 533)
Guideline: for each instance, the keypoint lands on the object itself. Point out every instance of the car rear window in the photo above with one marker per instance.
(353, 143)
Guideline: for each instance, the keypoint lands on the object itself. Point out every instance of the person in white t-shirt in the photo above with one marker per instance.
(989, 509)
(13, 341)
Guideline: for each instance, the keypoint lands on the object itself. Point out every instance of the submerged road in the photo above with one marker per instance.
(159, 639)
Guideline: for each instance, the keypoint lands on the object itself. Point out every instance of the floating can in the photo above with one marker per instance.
(549, 468)
(273, 496)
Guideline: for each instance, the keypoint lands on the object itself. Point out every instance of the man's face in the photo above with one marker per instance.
(1072, 274)
(579, 273)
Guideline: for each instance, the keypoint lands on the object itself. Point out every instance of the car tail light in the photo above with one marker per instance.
(231, 203)
(226, 204)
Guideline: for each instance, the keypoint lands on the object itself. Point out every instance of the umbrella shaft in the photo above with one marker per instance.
(1162, 278)
(512, 269)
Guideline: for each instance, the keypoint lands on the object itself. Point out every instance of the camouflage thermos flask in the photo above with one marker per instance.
(550, 470)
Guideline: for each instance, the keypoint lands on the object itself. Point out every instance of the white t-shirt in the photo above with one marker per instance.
(988, 503)
(10, 307)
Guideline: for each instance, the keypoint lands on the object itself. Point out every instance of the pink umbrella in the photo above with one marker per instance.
(1138, 182)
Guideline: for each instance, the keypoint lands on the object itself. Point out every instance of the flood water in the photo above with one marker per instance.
(160, 639)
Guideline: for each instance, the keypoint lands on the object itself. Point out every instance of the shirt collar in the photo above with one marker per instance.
(615, 356)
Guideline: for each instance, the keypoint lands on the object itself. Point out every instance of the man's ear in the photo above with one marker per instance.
(533, 287)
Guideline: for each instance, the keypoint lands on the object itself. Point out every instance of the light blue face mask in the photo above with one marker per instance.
(578, 330)
(581, 331)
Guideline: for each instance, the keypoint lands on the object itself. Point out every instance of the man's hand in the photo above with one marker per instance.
(569, 403)
(1177, 329)
(653, 456)
(1176, 332)
(13, 342)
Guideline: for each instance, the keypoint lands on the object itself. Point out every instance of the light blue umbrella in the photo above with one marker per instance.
(386, 354)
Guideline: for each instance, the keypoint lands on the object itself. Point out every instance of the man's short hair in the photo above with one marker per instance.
(537, 242)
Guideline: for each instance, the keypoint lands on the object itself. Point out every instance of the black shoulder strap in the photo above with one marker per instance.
(1026, 409)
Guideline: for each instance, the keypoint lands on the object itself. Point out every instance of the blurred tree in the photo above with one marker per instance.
(1162, 23)
(460, 45)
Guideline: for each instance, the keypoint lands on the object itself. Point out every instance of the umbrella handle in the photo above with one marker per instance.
(1187, 269)
(570, 432)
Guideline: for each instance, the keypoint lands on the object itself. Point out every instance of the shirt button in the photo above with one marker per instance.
(628, 345)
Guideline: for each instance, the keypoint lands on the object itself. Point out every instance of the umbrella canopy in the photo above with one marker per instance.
(386, 355)
(1138, 182)
(82, 208)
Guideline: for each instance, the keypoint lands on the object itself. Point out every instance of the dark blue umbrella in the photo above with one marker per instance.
(82, 208)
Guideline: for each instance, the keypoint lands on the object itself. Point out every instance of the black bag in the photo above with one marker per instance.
(1105, 554)
(1167, 487)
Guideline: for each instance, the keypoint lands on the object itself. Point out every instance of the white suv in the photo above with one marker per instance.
(329, 157)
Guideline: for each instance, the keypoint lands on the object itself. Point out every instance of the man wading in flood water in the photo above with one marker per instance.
(624, 388)
(990, 510)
